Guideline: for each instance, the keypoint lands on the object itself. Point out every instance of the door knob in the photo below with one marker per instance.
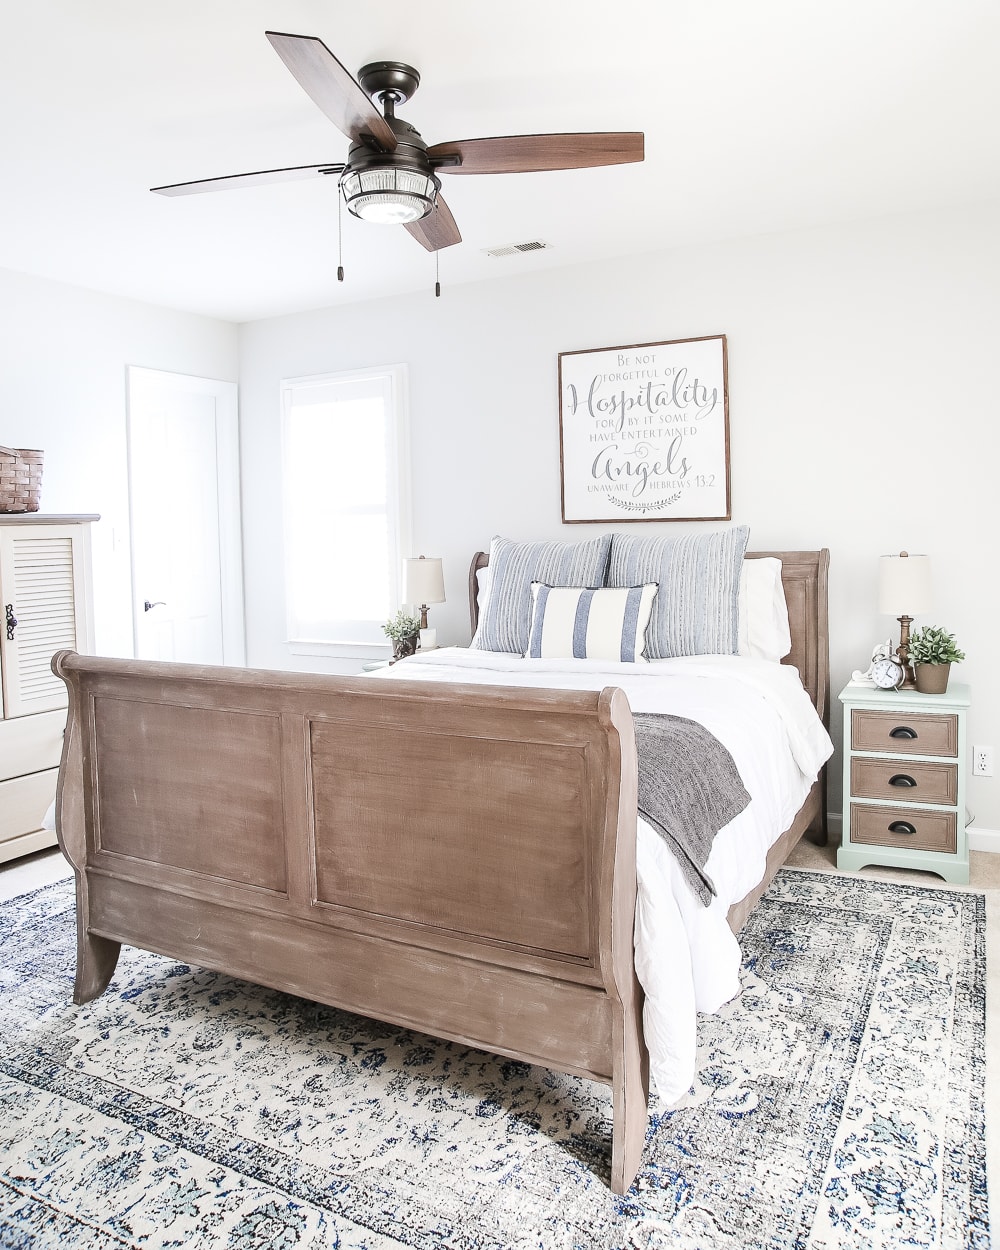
(157, 603)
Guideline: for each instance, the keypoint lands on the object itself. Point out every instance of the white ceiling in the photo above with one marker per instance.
(759, 115)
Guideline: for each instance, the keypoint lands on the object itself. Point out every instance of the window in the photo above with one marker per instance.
(346, 505)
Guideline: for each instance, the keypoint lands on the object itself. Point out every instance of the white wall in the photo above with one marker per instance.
(861, 405)
(62, 389)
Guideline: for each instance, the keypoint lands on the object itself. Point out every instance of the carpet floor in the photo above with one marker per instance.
(839, 1102)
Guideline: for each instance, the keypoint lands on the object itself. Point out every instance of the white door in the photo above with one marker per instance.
(187, 572)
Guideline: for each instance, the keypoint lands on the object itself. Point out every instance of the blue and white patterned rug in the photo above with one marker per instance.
(838, 1103)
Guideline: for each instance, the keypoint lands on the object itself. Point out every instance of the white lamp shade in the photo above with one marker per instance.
(423, 581)
(904, 585)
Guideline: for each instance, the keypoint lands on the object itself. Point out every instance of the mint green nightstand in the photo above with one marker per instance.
(904, 780)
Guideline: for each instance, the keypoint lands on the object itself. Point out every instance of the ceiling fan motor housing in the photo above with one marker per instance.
(390, 187)
(388, 78)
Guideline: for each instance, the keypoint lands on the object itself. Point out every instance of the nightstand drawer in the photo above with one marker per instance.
(912, 781)
(904, 827)
(910, 733)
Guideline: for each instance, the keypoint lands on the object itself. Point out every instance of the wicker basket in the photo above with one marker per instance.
(20, 479)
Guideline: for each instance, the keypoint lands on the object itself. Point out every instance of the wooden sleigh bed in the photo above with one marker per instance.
(458, 859)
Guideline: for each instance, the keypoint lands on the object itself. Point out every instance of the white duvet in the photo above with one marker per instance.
(687, 958)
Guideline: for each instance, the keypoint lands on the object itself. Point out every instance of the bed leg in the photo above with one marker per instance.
(630, 1098)
(96, 960)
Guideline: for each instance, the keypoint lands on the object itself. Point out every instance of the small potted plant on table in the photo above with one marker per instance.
(404, 630)
(932, 651)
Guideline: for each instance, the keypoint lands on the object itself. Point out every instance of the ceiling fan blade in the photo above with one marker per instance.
(437, 229)
(333, 88)
(525, 154)
(257, 179)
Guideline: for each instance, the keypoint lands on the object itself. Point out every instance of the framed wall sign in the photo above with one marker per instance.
(644, 432)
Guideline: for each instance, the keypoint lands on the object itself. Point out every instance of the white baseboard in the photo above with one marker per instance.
(984, 840)
(979, 839)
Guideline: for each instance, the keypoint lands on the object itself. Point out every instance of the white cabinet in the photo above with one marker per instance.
(45, 598)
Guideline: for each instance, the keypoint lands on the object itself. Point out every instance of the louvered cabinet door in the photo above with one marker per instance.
(42, 582)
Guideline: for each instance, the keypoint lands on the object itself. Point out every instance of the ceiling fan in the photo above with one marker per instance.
(391, 175)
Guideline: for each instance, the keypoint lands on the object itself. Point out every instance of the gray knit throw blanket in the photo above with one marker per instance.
(688, 789)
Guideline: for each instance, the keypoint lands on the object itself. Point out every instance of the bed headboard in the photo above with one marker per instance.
(804, 576)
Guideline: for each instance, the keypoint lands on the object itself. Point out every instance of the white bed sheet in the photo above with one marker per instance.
(687, 958)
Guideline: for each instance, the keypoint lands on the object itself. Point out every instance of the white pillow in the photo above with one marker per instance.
(482, 589)
(763, 628)
(575, 623)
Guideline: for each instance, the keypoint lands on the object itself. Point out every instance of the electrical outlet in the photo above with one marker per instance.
(982, 761)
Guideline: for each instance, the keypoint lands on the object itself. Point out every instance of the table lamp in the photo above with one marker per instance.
(423, 583)
(904, 591)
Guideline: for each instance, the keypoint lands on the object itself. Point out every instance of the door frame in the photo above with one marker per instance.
(227, 453)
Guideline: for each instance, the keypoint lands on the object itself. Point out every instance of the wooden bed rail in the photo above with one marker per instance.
(457, 859)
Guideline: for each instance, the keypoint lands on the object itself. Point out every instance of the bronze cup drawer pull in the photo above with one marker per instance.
(902, 826)
(903, 779)
(902, 731)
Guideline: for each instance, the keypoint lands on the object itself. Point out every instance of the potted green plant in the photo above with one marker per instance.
(404, 630)
(932, 652)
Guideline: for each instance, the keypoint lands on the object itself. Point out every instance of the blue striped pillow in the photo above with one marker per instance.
(580, 624)
(697, 605)
(506, 615)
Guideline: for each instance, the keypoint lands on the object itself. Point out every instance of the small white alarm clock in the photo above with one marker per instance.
(887, 673)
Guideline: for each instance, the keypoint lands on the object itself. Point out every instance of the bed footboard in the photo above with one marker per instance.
(455, 859)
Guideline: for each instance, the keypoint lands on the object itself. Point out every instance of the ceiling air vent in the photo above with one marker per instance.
(512, 249)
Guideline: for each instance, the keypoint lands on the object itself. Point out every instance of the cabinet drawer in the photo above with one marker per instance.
(23, 802)
(903, 732)
(912, 781)
(921, 830)
(29, 744)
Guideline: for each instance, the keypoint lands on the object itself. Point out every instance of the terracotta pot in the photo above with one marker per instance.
(931, 678)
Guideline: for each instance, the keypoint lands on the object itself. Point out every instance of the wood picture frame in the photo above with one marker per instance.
(644, 432)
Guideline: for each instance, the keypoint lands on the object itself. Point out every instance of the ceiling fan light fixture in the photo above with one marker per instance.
(389, 195)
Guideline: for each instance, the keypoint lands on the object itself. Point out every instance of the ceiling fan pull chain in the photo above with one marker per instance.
(437, 274)
(340, 235)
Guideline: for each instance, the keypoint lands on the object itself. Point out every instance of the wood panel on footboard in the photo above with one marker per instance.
(456, 859)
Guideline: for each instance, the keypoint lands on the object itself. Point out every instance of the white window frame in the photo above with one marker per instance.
(344, 641)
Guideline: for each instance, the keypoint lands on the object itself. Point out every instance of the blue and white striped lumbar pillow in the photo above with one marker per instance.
(582, 624)
(697, 604)
(506, 615)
